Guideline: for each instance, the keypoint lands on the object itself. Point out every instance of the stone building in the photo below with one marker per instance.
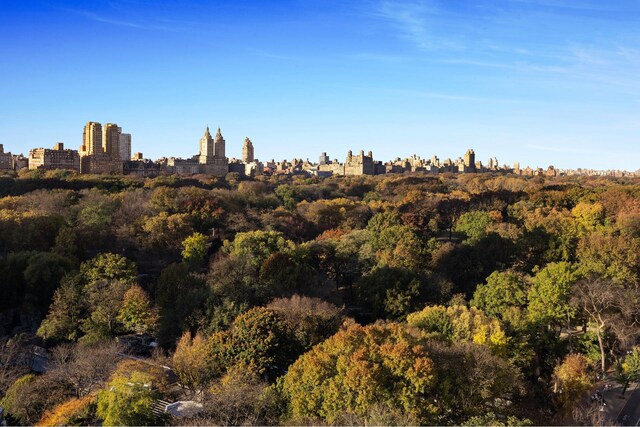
(100, 150)
(469, 162)
(324, 159)
(360, 164)
(56, 158)
(125, 146)
(212, 159)
(141, 167)
(184, 166)
(20, 162)
(247, 151)
(6, 159)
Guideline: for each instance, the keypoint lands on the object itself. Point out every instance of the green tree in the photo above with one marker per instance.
(15, 398)
(357, 369)
(137, 313)
(42, 277)
(68, 308)
(390, 292)
(195, 249)
(127, 401)
(473, 225)
(258, 245)
(588, 216)
(629, 369)
(179, 296)
(458, 323)
(263, 341)
(105, 299)
(109, 266)
(501, 291)
(550, 293)
(492, 420)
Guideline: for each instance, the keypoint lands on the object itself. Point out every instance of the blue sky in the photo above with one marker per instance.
(536, 81)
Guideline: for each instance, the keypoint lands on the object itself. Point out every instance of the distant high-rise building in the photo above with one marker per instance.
(125, 146)
(219, 145)
(92, 139)
(211, 158)
(206, 146)
(247, 151)
(469, 160)
(324, 159)
(100, 151)
(111, 141)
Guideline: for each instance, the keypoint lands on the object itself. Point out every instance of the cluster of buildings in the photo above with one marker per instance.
(107, 150)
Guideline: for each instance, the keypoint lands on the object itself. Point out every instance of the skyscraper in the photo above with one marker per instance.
(125, 146)
(218, 145)
(100, 151)
(247, 151)
(92, 139)
(469, 160)
(206, 147)
(212, 160)
(111, 141)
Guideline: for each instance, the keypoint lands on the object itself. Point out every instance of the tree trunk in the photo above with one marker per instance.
(601, 345)
(624, 389)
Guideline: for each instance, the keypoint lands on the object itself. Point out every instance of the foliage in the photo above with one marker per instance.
(550, 293)
(195, 249)
(459, 323)
(179, 295)
(16, 398)
(501, 291)
(262, 341)
(193, 362)
(311, 319)
(573, 379)
(76, 411)
(358, 368)
(473, 225)
(127, 401)
(137, 313)
(108, 266)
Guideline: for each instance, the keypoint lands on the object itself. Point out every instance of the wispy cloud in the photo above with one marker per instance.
(517, 66)
(378, 57)
(147, 24)
(411, 20)
(436, 95)
(593, 5)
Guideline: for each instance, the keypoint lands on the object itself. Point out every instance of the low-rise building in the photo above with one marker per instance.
(6, 159)
(56, 158)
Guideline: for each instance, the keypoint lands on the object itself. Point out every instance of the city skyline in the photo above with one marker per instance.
(536, 81)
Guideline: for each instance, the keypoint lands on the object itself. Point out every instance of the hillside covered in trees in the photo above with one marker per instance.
(407, 299)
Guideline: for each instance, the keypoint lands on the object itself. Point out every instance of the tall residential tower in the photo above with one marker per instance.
(247, 151)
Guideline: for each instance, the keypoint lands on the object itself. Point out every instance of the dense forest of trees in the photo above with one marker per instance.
(407, 299)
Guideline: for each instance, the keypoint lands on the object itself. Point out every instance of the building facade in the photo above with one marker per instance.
(56, 158)
(212, 159)
(360, 164)
(6, 159)
(247, 151)
(125, 146)
(100, 150)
